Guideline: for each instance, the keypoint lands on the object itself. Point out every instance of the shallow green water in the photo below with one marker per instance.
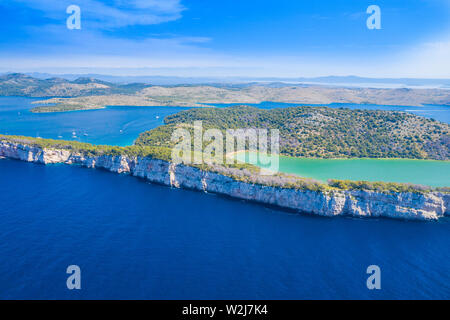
(425, 172)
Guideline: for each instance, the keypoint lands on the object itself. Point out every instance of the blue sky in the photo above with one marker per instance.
(284, 38)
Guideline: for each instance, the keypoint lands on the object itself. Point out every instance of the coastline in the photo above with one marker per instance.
(352, 158)
(356, 203)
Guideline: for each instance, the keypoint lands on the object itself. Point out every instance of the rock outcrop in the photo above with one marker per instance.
(358, 203)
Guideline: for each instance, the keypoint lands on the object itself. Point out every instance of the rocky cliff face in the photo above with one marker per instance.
(358, 203)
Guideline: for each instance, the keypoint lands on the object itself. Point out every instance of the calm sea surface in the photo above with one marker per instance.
(113, 126)
(137, 240)
(425, 172)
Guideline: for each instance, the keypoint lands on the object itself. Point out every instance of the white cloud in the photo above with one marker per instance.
(92, 47)
(60, 47)
(123, 13)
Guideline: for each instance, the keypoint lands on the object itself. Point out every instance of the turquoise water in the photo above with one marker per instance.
(424, 172)
(135, 240)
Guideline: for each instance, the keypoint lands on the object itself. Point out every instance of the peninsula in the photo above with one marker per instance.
(361, 133)
(359, 199)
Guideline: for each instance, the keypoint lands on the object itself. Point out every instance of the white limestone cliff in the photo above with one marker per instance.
(358, 203)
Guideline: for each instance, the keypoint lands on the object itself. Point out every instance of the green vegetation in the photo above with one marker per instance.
(239, 172)
(92, 150)
(322, 132)
(385, 187)
(63, 108)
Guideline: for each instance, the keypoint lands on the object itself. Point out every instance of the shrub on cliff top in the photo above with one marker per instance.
(240, 172)
(379, 186)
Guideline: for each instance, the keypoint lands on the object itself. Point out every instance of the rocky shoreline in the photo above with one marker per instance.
(357, 203)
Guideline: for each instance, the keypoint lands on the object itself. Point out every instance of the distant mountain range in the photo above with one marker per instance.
(17, 84)
(84, 93)
(353, 81)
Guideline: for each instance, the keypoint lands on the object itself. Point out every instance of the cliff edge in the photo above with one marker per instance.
(358, 203)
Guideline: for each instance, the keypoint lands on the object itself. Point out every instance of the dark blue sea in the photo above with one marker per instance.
(136, 240)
